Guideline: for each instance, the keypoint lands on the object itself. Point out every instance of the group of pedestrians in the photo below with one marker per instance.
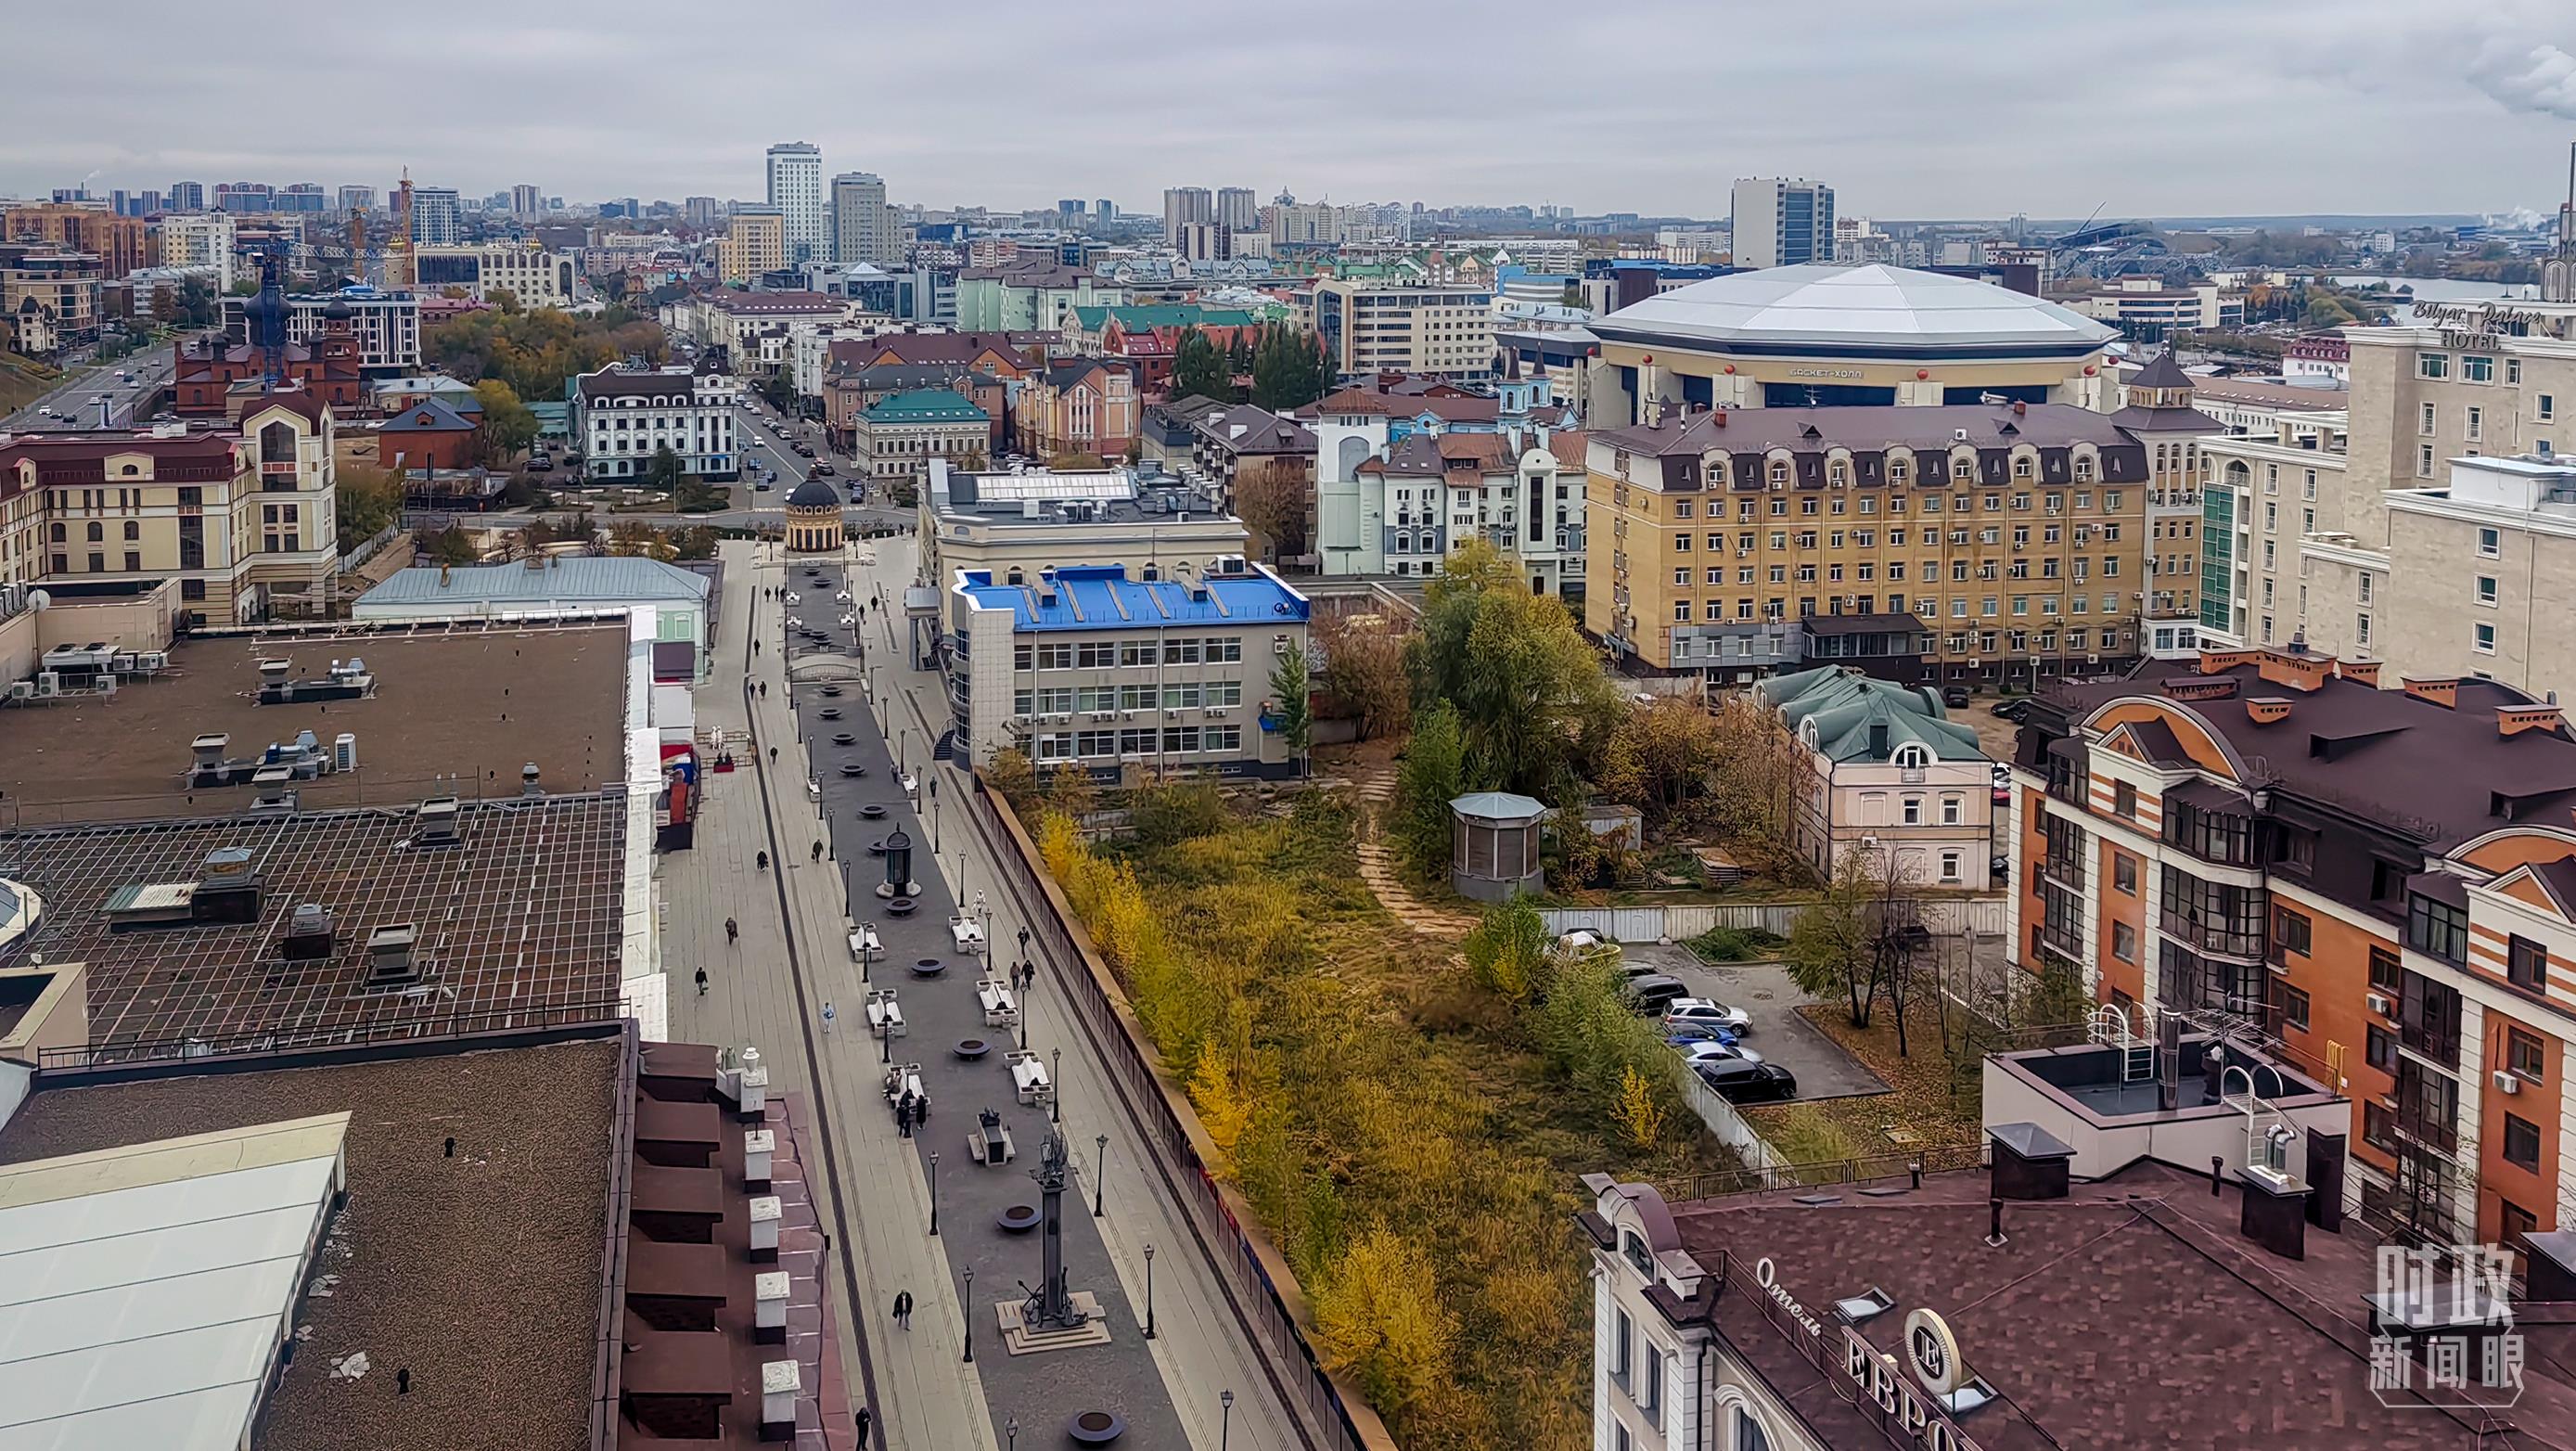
(910, 1112)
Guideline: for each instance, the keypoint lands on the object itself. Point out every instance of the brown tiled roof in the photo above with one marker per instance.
(2164, 372)
(1568, 445)
(1263, 431)
(2441, 775)
(1481, 450)
(2131, 1314)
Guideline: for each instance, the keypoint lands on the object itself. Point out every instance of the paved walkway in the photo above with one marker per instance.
(1379, 867)
(769, 989)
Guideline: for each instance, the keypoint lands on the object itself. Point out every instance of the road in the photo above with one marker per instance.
(74, 398)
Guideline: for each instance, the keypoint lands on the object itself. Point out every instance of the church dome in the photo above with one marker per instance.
(814, 494)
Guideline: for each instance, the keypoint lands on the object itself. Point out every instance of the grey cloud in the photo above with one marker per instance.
(2183, 106)
(2532, 77)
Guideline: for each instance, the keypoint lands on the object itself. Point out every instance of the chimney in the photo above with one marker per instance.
(757, 1147)
(2294, 668)
(780, 1384)
(752, 1105)
(2365, 671)
(2266, 709)
(389, 955)
(765, 1213)
(2513, 720)
(2441, 690)
(769, 1310)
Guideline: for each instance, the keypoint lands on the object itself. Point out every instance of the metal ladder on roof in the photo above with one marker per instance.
(2110, 1028)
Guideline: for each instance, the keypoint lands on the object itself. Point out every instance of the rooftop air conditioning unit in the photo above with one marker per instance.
(439, 824)
(2506, 1082)
(389, 955)
(2380, 1004)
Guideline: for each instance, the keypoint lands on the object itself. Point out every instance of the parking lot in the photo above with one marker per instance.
(1780, 1034)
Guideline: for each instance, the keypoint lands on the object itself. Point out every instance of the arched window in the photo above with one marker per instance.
(130, 470)
(2084, 468)
(1963, 468)
(1838, 473)
(1779, 473)
(1899, 468)
(1912, 756)
(1744, 1431)
(2021, 466)
(1354, 451)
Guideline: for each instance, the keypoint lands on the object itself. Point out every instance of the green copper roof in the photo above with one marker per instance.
(925, 405)
(1162, 314)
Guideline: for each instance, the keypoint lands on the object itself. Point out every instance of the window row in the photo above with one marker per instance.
(1059, 700)
(1108, 654)
(1146, 741)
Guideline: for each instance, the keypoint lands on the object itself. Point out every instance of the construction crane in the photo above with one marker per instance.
(402, 232)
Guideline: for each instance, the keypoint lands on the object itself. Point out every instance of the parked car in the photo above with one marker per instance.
(1956, 697)
(762, 487)
(1655, 992)
(1739, 1081)
(1710, 1052)
(540, 464)
(824, 469)
(1706, 1010)
(1678, 1034)
(2012, 710)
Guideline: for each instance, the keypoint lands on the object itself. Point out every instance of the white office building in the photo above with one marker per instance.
(796, 190)
(528, 272)
(1782, 222)
(199, 242)
(624, 416)
(864, 227)
(437, 217)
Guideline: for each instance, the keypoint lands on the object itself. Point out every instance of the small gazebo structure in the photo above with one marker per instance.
(814, 518)
(1493, 849)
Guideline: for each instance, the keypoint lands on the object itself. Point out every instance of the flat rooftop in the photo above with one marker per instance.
(480, 1273)
(470, 702)
(523, 915)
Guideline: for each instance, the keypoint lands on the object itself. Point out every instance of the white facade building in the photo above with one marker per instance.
(622, 417)
(1782, 222)
(199, 241)
(528, 272)
(864, 227)
(796, 190)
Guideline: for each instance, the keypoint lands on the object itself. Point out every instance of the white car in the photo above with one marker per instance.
(1698, 1052)
(1707, 1010)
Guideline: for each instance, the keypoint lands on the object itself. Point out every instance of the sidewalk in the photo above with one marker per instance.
(1201, 1349)
(923, 1395)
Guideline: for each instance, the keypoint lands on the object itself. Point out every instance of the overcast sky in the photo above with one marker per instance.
(2162, 107)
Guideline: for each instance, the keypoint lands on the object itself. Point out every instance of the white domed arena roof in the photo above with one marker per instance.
(1868, 311)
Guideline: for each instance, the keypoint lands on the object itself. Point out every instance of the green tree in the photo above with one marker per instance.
(1862, 931)
(1198, 367)
(665, 470)
(1434, 773)
(695, 541)
(1507, 953)
(1290, 683)
(502, 298)
(1529, 690)
(1289, 369)
(506, 428)
(366, 499)
(244, 287)
(450, 545)
(1659, 757)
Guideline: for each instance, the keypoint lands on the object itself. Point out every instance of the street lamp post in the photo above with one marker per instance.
(970, 1314)
(1011, 1435)
(1149, 1292)
(1099, 1172)
(1055, 1101)
(885, 1035)
(934, 1192)
(1225, 1426)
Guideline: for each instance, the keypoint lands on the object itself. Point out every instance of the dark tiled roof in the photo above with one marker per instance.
(2167, 420)
(2131, 1314)
(428, 416)
(1263, 430)
(2164, 372)
(2438, 774)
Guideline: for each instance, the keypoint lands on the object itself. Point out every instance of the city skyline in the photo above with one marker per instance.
(2357, 108)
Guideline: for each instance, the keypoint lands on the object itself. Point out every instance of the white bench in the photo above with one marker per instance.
(901, 1079)
(967, 932)
(864, 944)
(1029, 1077)
(1000, 1009)
(885, 1015)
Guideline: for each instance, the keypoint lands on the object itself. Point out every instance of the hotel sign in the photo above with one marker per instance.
(2479, 326)
(1934, 1355)
(1825, 372)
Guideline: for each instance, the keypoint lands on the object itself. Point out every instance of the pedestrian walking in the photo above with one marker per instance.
(865, 1417)
(920, 1112)
(733, 934)
(773, 755)
(903, 1308)
(702, 982)
(764, 690)
(760, 859)
(903, 1115)
(827, 1018)
(818, 851)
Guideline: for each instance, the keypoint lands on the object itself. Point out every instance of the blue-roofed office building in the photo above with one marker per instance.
(1128, 676)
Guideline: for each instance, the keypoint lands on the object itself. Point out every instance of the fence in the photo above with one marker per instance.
(1866, 1169)
(1264, 1291)
(367, 550)
(1942, 916)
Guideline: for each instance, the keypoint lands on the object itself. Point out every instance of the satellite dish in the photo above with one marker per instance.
(39, 599)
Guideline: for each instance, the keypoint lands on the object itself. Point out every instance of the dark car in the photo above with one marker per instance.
(804, 450)
(1651, 994)
(823, 470)
(2012, 710)
(1739, 1081)
(1956, 697)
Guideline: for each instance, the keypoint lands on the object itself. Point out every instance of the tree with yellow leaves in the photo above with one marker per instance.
(1223, 1112)
(1379, 1320)
(1639, 1116)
